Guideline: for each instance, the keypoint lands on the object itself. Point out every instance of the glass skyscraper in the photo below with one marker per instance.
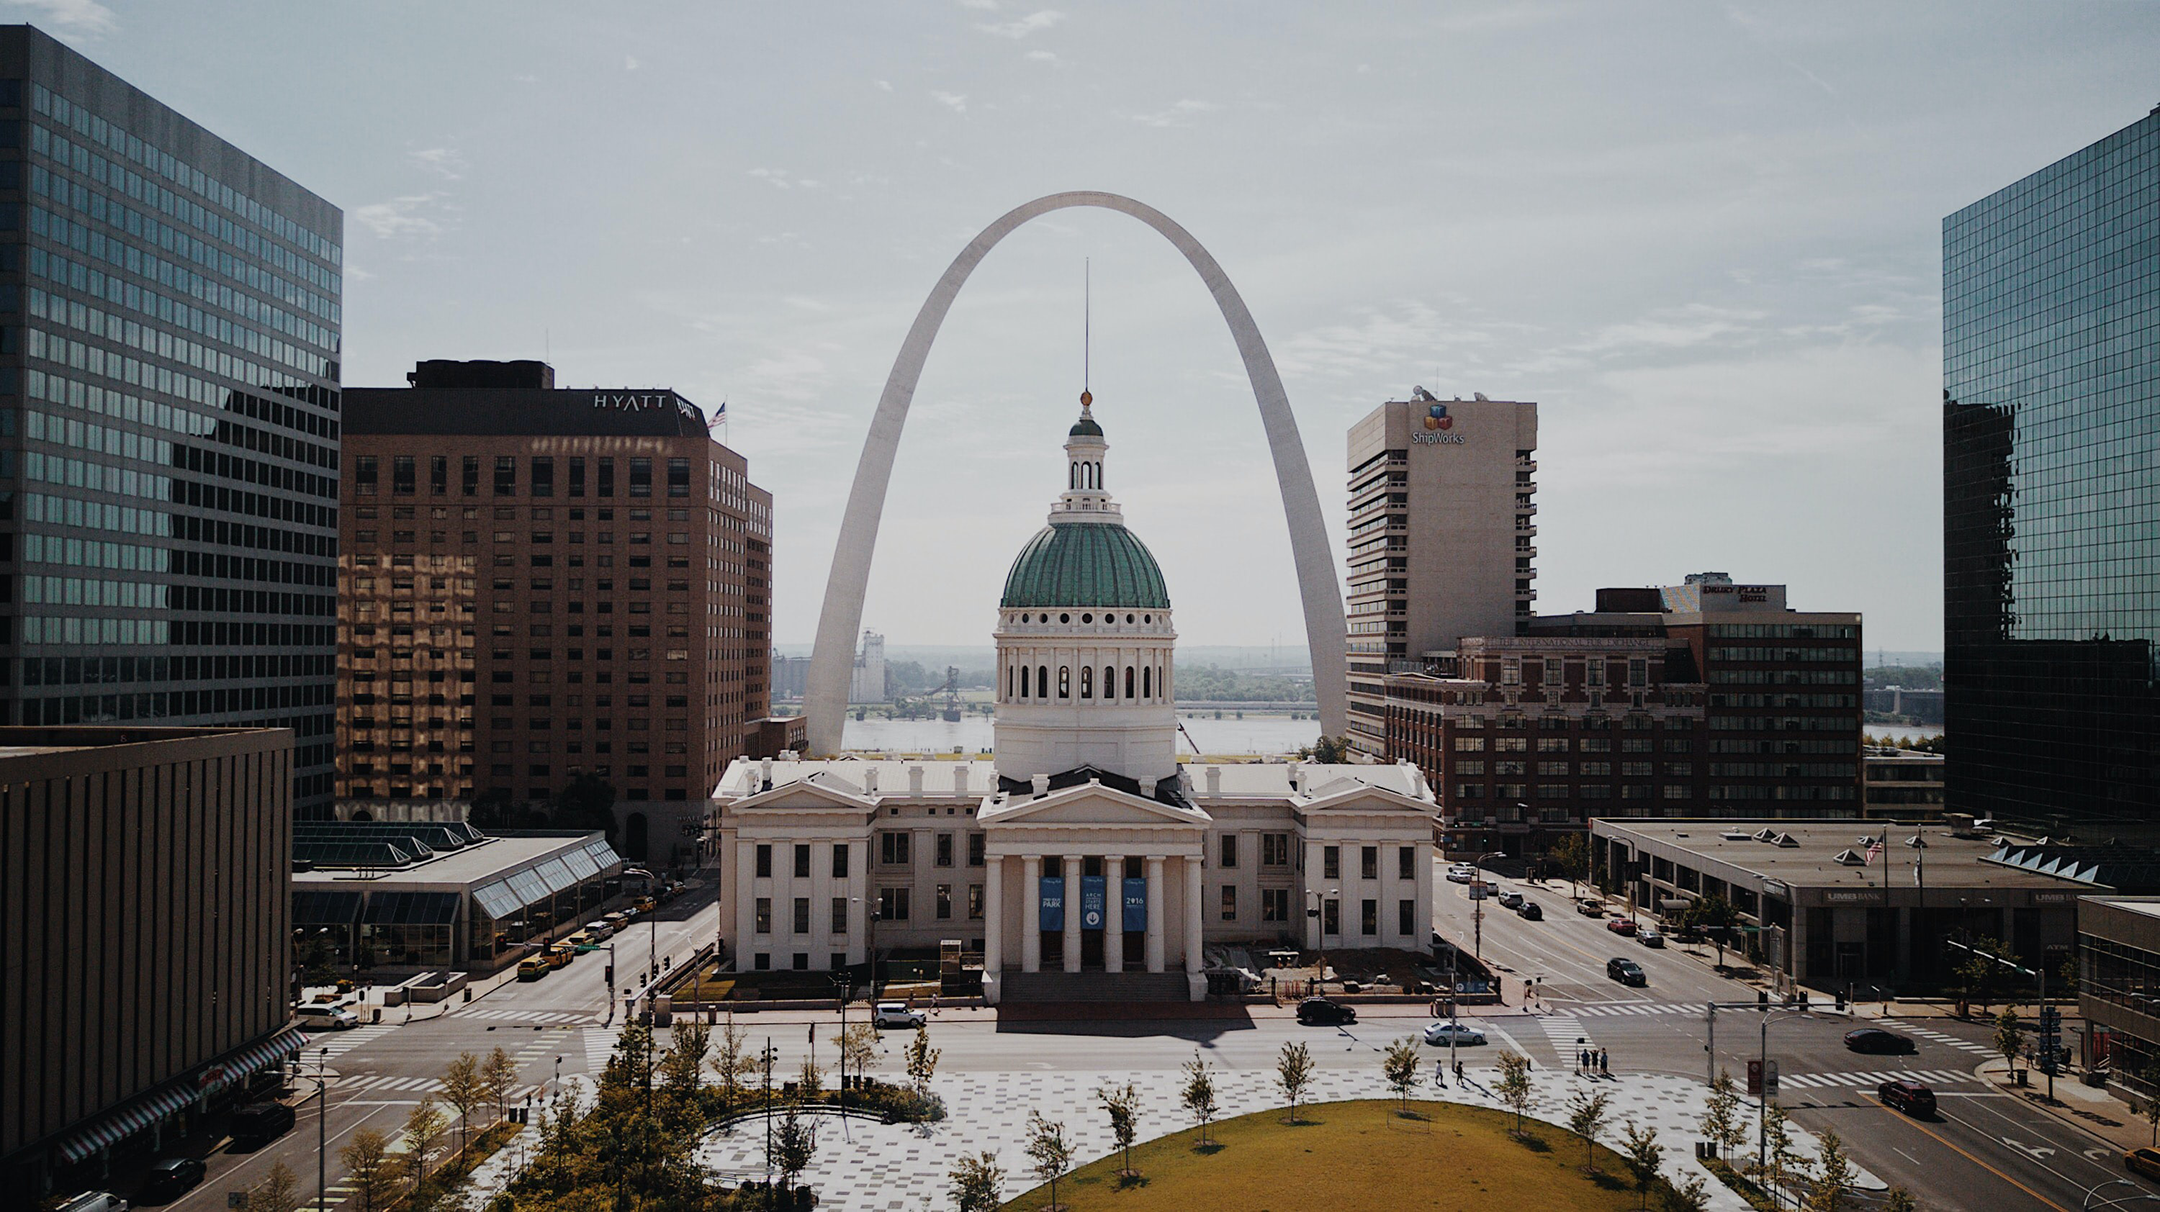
(169, 320)
(2051, 476)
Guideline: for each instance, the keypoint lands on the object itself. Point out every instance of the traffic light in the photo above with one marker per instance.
(611, 976)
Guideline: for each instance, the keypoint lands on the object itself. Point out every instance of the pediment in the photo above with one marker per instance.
(821, 790)
(1352, 795)
(1091, 805)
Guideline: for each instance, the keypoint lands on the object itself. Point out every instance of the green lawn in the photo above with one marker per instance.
(1349, 1156)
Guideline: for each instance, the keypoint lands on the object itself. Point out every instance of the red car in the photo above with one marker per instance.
(1621, 925)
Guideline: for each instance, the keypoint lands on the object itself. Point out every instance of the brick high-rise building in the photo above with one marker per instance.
(1443, 523)
(543, 583)
(170, 308)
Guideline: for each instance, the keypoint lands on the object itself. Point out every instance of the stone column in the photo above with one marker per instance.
(1313, 890)
(1192, 914)
(1074, 865)
(1154, 913)
(1113, 934)
(1424, 892)
(859, 903)
(821, 893)
(1031, 913)
(993, 914)
(745, 901)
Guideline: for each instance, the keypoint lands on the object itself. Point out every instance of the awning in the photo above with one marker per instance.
(556, 875)
(496, 900)
(231, 1070)
(116, 1126)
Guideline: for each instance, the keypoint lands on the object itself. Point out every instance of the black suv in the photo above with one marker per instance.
(1877, 1040)
(170, 1179)
(1529, 911)
(1911, 1097)
(1320, 1012)
(1626, 971)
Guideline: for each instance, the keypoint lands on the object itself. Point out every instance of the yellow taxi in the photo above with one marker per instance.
(560, 955)
(532, 969)
(2143, 1161)
(646, 904)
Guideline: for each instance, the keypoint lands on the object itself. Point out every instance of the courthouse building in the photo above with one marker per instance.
(1084, 852)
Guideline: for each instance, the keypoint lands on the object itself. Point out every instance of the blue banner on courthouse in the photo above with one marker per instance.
(1053, 902)
(1136, 906)
(1094, 895)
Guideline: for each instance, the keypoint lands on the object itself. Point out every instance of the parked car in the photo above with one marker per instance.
(1511, 899)
(1875, 1039)
(533, 967)
(1626, 971)
(1621, 926)
(896, 1015)
(646, 904)
(1461, 873)
(257, 1124)
(559, 955)
(1530, 912)
(1911, 1097)
(615, 921)
(1441, 1032)
(318, 1017)
(95, 1201)
(1590, 906)
(172, 1178)
(1648, 936)
(1320, 1012)
(2137, 1161)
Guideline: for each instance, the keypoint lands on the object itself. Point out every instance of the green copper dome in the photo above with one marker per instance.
(1085, 427)
(1086, 564)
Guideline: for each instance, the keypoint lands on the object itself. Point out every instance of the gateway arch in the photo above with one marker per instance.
(832, 660)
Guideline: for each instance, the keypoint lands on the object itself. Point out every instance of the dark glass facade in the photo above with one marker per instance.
(169, 335)
(2051, 477)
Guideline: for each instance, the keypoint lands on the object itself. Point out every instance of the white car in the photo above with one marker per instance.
(896, 1015)
(319, 1017)
(1648, 936)
(1461, 873)
(1447, 1028)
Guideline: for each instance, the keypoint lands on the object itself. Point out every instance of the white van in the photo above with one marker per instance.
(316, 1016)
(95, 1201)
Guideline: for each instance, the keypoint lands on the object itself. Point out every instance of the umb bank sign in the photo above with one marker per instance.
(1437, 428)
(639, 401)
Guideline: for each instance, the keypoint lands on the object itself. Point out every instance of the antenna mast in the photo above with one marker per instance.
(1087, 319)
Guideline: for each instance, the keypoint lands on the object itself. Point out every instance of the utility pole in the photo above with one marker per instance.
(1709, 1016)
(322, 1133)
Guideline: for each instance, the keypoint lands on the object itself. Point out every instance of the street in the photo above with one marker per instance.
(1983, 1150)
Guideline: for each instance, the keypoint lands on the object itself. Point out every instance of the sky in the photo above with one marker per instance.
(1704, 237)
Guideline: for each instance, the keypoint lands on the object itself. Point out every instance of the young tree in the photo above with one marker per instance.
(1513, 1086)
(424, 1129)
(2152, 1102)
(858, 1048)
(922, 1061)
(1714, 916)
(1199, 1095)
(810, 1082)
(2009, 1038)
(1586, 1118)
(368, 1168)
(977, 1183)
(732, 1062)
(1050, 1151)
(682, 1065)
(1690, 1196)
(1721, 1114)
(794, 1143)
(1570, 856)
(1293, 1072)
(1122, 1103)
(1778, 1143)
(1644, 1159)
(465, 1090)
(500, 1073)
(280, 1192)
(1898, 1199)
(1833, 1176)
(1399, 1064)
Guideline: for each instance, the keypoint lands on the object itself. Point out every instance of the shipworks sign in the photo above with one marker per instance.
(1436, 428)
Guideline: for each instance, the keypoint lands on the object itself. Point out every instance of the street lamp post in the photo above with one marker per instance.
(322, 1133)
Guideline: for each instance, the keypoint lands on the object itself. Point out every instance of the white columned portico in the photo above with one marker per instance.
(1113, 934)
(1192, 914)
(1315, 891)
(1031, 913)
(994, 914)
(1154, 913)
(1072, 868)
(859, 906)
(745, 902)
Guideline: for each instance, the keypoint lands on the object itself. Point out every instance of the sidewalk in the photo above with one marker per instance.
(2096, 1111)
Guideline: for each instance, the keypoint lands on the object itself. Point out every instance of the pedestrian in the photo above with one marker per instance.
(1604, 1061)
(1439, 1074)
(1458, 1073)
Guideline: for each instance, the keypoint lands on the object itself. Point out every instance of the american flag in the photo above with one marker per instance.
(1874, 847)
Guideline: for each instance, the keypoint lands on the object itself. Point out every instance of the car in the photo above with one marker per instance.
(319, 1017)
(171, 1178)
(646, 904)
(1511, 899)
(1913, 1098)
(1626, 971)
(94, 1201)
(630, 913)
(1320, 1012)
(1590, 906)
(1530, 912)
(560, 954)
(1648, 936)
(615, 921)
(2138, 1161)
(257, 1124)
(601, 930)
(1621, 926)
(1461, 873)
(533, 967)
(896, 1015)
(1446, 1029)
(1875, 1039)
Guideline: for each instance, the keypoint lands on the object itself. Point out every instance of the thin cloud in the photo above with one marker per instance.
(1177, 115)
(399, 218)
(1034, 22)
(71, 19)
(956, 102)
(1674, 328)
(630, 63)
(1043, 56)
(444, 160)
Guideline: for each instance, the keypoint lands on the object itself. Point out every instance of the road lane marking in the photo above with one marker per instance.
(1947, 1143)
